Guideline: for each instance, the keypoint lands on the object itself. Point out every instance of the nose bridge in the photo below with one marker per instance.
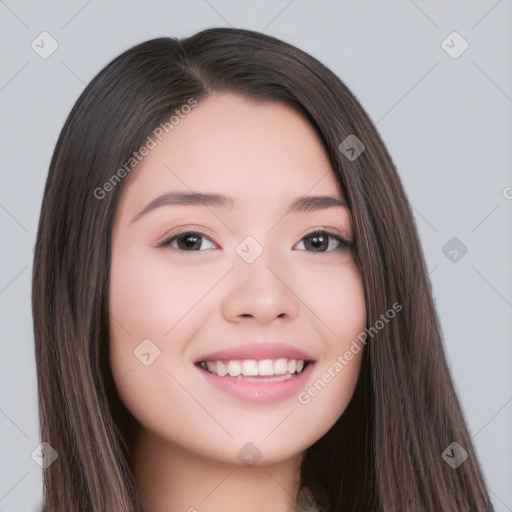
(258, 285)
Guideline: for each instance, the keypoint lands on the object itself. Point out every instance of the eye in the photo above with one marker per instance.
(316, 241)
(186, 241)
(324, 241)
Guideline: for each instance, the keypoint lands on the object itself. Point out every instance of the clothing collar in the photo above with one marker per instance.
(304, 502)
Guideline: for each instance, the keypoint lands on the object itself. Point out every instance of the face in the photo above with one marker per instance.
(257, 283)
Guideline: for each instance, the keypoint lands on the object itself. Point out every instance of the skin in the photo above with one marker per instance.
(191, 303)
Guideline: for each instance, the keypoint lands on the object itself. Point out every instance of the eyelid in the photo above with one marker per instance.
(330, 231)
(163, 242)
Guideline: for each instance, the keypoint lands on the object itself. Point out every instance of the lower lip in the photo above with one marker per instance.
(260, 392)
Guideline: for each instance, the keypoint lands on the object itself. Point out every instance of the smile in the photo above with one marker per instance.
(282, 368)
(263, 381)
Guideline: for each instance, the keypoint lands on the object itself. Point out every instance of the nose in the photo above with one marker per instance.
(261, 292)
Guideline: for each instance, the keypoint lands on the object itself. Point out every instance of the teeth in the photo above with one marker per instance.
(265, 367)
(234, 368)
(281, 367)
(249, 367)
(253, 368)
(221, 368)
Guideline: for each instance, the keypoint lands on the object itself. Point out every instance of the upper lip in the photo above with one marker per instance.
(258, 351)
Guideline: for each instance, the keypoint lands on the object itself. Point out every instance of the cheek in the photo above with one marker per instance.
(335, 294)
(144, 304)
(149, 295)
(337, 297)
(147, 299)
(152, 299)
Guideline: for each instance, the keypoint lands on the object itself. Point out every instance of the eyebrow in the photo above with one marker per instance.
(300, 204)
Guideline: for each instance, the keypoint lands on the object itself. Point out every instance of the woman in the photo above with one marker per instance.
(231, 306)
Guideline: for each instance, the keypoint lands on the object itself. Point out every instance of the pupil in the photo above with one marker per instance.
(318, 241)
(191, 241)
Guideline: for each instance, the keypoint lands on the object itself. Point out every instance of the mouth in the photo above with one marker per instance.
(259, 381)
(277, 373)
(253, 370)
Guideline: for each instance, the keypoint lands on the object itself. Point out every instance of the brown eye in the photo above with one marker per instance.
(190, 241)
(323, 241)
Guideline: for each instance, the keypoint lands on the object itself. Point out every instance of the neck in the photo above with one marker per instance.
(171, 478)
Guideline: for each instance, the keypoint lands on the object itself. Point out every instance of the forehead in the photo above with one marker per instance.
(251, 151)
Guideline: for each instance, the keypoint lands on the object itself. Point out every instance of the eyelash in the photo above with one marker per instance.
(343, 243)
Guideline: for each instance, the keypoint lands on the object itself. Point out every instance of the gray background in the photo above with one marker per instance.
(446, 121)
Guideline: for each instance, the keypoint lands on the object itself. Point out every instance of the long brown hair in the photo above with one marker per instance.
(385, 451)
